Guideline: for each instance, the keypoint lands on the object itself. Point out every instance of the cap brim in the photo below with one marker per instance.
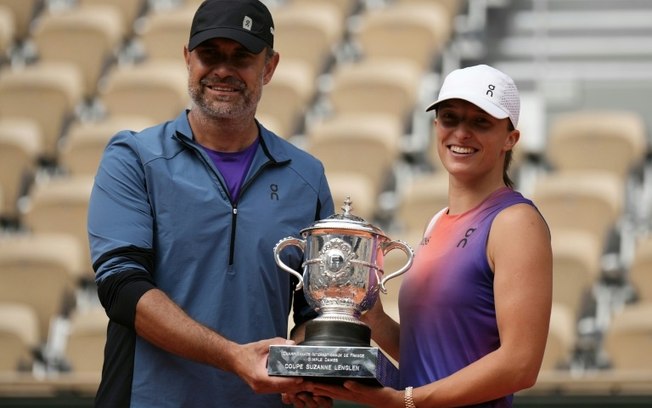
(249, 41)
(481, 103)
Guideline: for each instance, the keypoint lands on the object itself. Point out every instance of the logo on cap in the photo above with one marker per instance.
(490, 90)
(247, 23)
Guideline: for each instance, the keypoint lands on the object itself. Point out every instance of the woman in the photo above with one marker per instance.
(475, 306)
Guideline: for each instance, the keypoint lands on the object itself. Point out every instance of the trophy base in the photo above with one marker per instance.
(333, 364)
(336, 333)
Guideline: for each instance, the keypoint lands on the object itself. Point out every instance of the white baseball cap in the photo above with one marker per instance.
(486, 87)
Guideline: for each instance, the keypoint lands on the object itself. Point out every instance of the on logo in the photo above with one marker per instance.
(273, 188)
(490, 90)
(464, 240)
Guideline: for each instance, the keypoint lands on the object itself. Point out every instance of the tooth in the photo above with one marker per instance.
(461, 149)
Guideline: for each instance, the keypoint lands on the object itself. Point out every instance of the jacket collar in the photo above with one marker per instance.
(274, 146)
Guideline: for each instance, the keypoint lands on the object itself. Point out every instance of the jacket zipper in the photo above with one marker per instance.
(234, 221)
(234, 206)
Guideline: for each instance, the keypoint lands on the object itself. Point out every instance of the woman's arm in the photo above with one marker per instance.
(384, 330)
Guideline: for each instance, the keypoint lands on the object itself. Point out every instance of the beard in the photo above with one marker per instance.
(223, 107)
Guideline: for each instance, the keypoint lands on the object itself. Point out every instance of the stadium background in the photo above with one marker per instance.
(354, 78)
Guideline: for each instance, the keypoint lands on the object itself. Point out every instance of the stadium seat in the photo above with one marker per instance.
(613, 141)
(19, 336)
(39, 270)
(60, 205)
(308, 32)
(47, 93)
(588, 201)
(640, 271)
(412, 31)
(576, 268)
(20, 147)
(628, 338)
(345, 8)
(7, 33)
(355, 186)
(84, 349)
(164, 33)
(88, 37)
(381, 87)
(23, 12)
(154, 89)
(420, 199)
(562, 336)
(368, 145)
(288, 95)
(272, 123)
(84, 144)
(129, 10)
(452, 7)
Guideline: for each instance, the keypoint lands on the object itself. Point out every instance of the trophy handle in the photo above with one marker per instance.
(410, 255)
(277, 256)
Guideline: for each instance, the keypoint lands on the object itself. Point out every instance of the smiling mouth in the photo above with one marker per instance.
(461, 149)
(221, 88)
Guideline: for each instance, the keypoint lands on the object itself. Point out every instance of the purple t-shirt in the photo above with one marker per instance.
(446, 300)
(233, 167)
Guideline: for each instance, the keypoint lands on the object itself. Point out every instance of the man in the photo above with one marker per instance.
(183, 219)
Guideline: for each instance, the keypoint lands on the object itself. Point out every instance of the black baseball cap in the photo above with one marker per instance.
(248, 22)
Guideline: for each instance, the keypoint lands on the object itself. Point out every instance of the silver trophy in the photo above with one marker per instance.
(342, 277)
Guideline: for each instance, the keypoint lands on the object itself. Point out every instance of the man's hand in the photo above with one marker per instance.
(251, 365)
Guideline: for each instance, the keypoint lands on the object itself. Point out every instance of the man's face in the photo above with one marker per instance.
(225, 80)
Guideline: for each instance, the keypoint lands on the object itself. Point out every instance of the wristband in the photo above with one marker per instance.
(409, 402)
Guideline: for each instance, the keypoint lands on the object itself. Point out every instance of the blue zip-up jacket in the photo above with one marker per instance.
(160, 216)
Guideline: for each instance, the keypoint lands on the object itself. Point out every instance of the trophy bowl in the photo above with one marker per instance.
(342, 275)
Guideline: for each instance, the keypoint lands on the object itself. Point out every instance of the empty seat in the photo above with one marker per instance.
(19, 336)
(613, 141)
(84, 349)
(453, 7)
(640, 272)
(156, 90)
(588, 201)
(287, 96)
(60, 205)
(416, 32)
(129, 10)
(20, 147)
(88, 37)
(46, 93)
(419, 200)
(628, 338)
(7, 32)
(380, 87)
(309, 32)
(23, 12)
(345, 8)
(41, 271)
(273, 123)
(576, 268)
(562, 336)
(368, 145)
(355, 186)
(164, 33)
(85, 142)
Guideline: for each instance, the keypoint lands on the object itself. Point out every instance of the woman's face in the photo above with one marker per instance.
(471, 143)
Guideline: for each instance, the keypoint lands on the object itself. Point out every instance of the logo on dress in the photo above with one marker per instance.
(464, 240)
